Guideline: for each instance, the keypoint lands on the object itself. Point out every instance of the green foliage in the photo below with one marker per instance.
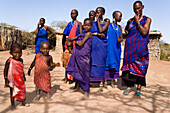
(7, 25)
(165, 52)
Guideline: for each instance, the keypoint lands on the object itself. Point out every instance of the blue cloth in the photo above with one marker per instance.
(69, 27)
(41, 37)
(98, 53)
(113, 48)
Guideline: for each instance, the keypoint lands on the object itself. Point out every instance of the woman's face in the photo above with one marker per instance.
(99, 13)
(138, 7)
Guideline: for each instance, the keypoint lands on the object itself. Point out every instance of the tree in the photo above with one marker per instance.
(59, 25)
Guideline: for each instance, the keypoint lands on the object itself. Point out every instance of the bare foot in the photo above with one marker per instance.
(25, 104)
(112, 85)
(85, 96)
(100, 89)
(37, 98)
(48, 97)
(105, 85)
(13, 107)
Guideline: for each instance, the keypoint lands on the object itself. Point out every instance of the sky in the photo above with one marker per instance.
(25, 14)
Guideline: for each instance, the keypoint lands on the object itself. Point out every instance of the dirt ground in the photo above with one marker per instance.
(155, 97)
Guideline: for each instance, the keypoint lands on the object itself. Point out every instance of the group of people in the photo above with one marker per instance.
(91, 53)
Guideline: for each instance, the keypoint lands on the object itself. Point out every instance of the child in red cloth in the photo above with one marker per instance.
(42, 78)
(66, 57)
(14, 75)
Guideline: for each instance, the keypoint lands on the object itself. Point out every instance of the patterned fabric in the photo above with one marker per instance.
(42, 78)
(65, 58)
(136, 50)
(139, 67)
(71, 31)
(41, 37)
(16, 80)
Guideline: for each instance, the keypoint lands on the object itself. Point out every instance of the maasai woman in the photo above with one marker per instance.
(136, 55)
(99, 48)
(113, 49)
(72, 29)
(41, 34)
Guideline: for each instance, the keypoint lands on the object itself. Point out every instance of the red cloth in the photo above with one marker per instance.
(72, 34)
(16, 80)
(42, 77)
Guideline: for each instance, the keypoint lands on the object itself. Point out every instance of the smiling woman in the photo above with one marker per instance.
(136, 55)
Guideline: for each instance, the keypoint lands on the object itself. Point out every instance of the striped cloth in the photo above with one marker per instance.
(136, 55)
(42, 78)
(16, 80)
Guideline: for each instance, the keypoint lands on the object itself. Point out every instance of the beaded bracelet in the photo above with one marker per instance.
(139, 24)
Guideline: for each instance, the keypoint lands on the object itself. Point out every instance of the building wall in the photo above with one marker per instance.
(153, 46)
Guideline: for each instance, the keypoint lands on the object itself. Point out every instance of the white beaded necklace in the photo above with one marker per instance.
(116, 29)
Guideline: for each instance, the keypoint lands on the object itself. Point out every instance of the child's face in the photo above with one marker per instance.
(99, 12)
(74, 14)
(118, 16)
(87, 25)
(45, 49)
(16, 53)
(92, 15)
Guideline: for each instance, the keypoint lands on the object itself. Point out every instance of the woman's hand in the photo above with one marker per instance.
(136, 17)
(101, 35)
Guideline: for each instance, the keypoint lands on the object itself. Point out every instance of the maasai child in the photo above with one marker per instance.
(79, 64)
(41, 34)
(136, 54)
(113, 49)
(72, 29)
(99, 48)
(42, 78)
(14, 75)
(66, 57)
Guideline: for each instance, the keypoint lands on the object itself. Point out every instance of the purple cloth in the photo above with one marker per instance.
(111, 74)
(79, 63)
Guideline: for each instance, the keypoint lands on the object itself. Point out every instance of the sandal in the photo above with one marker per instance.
(126, 92)
(137, 95)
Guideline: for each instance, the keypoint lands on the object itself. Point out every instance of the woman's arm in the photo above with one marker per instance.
(120, 39)
(98, 34)
(105, 27)
(80, 27)
(31, 66)
(72, 39)
(143, 30)
(52, 33)
(127, 26)
(37, 30)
